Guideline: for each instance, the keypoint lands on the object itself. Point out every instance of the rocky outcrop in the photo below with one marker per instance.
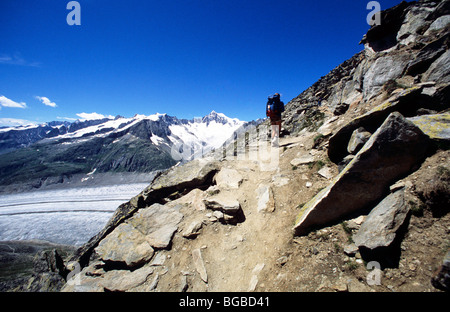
(120, 280)
(116, 246)
(169, 184)
(384, 69)
(406, 102)
(32, 266)
(384, 36)
(409, 47)
(158, 223)
(391, 152)
(151, 228)
(427, 55)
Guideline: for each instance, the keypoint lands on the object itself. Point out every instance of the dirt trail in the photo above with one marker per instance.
(261, 253)
(236, 256)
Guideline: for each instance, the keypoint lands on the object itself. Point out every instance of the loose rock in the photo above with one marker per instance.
(359, 137)
(193, 229)
(381, 226)
(199, 265)
(302, 160)
(265, 198)
(228, 178)
(123, 280)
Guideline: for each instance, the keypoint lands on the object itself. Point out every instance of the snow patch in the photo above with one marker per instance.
(156, 139)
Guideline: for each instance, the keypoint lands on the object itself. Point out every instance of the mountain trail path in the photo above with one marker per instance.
(260, 253)
(245, 256)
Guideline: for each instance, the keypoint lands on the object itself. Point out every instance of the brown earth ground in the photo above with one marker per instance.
(262, 254)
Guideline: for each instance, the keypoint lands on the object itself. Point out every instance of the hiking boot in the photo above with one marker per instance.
(275, 142)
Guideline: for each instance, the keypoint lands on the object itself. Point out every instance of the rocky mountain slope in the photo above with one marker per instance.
(356, 198)
(55, 152)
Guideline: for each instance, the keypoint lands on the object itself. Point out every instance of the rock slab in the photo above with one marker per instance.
(132, 242)
(125, 244)
(123, 280)
(371, 121)
(158, 223)
(391, 152)
(436, 126)
(228, 178)
(382, 224)
(199, 264)
(182, 179)
(304, 160)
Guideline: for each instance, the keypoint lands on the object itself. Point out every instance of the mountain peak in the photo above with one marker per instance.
(219, 118)
(214, 113)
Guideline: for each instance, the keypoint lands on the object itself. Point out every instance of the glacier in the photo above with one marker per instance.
(65, 216)
(78, 210)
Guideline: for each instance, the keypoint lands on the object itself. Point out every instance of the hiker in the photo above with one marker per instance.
(274, 109)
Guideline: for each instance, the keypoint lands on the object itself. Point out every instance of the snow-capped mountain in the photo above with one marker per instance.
(212, 130)
(137, 144)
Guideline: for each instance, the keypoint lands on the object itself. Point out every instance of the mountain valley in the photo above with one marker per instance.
(354, 199)
(53, 153)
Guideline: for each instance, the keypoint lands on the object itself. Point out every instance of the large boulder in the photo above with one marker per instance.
(405, 102)
(396, 148)
(436, 126)
(375, 239)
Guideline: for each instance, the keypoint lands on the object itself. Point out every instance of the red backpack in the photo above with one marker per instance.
(274, 106)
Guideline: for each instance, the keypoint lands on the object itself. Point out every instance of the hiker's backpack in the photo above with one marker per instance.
(274, 106)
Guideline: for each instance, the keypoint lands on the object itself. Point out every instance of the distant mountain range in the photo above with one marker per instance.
(57, 150)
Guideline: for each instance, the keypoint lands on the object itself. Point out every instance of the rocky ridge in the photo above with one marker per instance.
(357, 200)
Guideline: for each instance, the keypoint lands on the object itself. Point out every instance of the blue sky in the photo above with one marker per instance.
(180, 57)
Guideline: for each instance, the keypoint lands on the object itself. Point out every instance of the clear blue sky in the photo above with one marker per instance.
(180, 57)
